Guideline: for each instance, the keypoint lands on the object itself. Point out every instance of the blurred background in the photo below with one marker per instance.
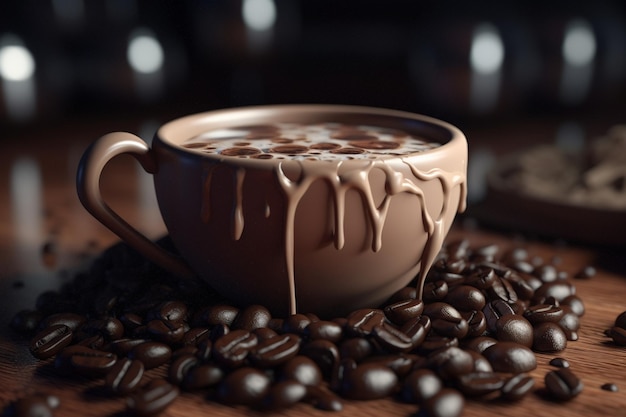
(468, 62)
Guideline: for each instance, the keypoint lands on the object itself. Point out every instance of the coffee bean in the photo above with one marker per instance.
(322, 398)
(476, 323)
(446, 403)
(417, 329)
(301, 369)
(549, 337)
(609, 387)
(71, 320)
(514, 328)
(214, 315)
(559, 362)
(362, 322)
(481, 364)
(586, 273)
(125, 376)
(435, 342)
(502, 290)
(493, 311)
(479, 344)
(284, 394)
(402, 311)
(180, 367)
(110, 328)
(466, 298)
(48, 342)
(517, 386)
(252, 317)
(391, 338)
(618, 335)
(478, 384)
(570, 323)
(196, 335)
(435, 291)
(202, 377)
(450, 361)
(169, 311)
(151, 354)
(166, 331)
(323, 329)
(232, 349)
(368, 381)
(510, 357)
(575, 303)
(84, 361)
(420, 385)
(324, 353)
(275, 351)
(153, 398)
(296, 323)
(562, 384)
(558, 289)
(243, 386)
(542, 313)
(122, 347)
(446, 320)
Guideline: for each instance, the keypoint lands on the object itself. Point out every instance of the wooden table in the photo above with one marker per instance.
(38, 206)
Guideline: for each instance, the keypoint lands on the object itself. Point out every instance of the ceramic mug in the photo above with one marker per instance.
(301, 208)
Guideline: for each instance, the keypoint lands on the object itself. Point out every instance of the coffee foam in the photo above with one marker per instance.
(322, 141)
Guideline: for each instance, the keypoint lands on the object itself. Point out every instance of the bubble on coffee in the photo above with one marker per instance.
(322, 141)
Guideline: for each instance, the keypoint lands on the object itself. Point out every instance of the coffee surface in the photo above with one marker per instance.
(321, 141)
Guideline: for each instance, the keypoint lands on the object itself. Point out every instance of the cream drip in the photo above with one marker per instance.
(358, 179)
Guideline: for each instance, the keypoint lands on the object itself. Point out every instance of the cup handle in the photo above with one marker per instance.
(88, 187)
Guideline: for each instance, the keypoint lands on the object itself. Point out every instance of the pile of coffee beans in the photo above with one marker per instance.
(484, 314)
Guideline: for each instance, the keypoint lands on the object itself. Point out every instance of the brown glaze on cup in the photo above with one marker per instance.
(294, 232)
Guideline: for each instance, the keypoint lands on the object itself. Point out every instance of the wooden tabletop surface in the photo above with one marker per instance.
(38, 206)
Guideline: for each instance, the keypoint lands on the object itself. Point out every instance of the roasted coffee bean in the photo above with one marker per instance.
(362, 322)
(435, 291)
(122, 347)
(296, 323)
(324, 353)
(252, 317)
(450, 362)
(586, 273)
(205, 350)
(243, 386)
(479, 344)
(546, 273)
(233, 348)
(609, 387)
(323, 329)
(48, 342)
(549, 337)
(81, 360)
(110, 328)
(202, 377)
(402, 311)
(125, 376)
(570, 323)
(493, 311)
(420, 385)
(517, 386)
(151, 354)
(284, 394)
(401, 363)
(618, 335)
(35, 405)
(264, 333)
(483, 278)
(559, 362)
(575, 303)
(180, 366)
(194, 336)
(26, 321)
(166, 331)
(71, 320)
(510, 357)
(275, 351)
(301, 369)
(542, 313)
(169, 311)
(214, 315)
(185, 350)
(391, 338)
(322, 398)
(446, 320)
(446, 403)
(502, 290)
(403, 294)
(562, 384)
(466, 298)
(368, 381)
(435, 342)
(417, 329)
(131, 321)
(478, 384)
(218, 331)
(558, 289)
(92, 342)
(476, 323)
(514, 328)
(153, 398)
(357, 348)
(481, 364)
(522, 285)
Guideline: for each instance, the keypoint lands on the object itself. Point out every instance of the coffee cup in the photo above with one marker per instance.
(301, 208)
